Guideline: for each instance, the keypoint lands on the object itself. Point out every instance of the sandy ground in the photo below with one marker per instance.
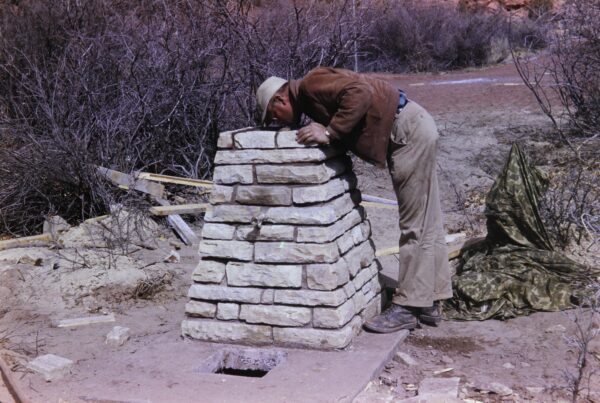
(479, 114)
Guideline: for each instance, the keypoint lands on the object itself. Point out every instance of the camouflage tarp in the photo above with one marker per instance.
(516, 270)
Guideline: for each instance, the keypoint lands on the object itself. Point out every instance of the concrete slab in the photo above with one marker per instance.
(176, 372)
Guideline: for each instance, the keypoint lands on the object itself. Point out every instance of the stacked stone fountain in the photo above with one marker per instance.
(286, 255)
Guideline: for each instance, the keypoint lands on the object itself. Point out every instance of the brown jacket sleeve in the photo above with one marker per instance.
(346, 96)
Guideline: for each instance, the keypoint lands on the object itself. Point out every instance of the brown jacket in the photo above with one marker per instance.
(358, 110)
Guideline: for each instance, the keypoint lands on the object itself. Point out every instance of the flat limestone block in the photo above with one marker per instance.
(301, 174)
(51, 367)
(236, 157)
(117, 336)
(254, 139)
(279, 315)
(287, 139)
(88, 320)
(220, 293)
(319, 234)
(251, 274)
(238, 250)
(439, 387)
(317, 338)
(310, 298)
(226, 332)
(289, 252)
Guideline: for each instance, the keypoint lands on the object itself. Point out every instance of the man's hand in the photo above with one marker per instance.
(311, 134)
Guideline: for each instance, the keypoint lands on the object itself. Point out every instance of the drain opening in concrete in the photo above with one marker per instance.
(250, 362)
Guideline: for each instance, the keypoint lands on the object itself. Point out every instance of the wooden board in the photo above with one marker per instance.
(88, 320)
(454, 250)
(184, 231)
(174, 179)
(180, 209)
(378, 205)
(25, 241)
(126, 181)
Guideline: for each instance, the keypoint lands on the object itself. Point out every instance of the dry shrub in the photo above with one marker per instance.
(417, 36)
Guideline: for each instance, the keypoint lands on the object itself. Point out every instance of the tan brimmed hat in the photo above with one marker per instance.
(265, 92)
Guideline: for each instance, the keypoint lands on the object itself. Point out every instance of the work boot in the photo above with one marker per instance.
(432, 315)
(394, 318)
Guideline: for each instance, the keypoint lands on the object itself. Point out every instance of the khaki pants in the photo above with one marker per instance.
(424, 271)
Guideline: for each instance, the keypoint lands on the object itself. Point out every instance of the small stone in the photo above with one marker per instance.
(227, 311)
(432, 388)
(345, 242)
(226, 332)
(254, 139)
(556, 329)
(275, 315)
(447, 360)
(209, 271)
(406, 359)
(388, 380)
(499, 389)
(230, 174)
(267, 296)
(51, 367)
(264, 195)
(201, 309)
(172, 257)
(117, 336)
(218, 231)
(325, 214)
(359, 257)
(525, 364)
(508, 365)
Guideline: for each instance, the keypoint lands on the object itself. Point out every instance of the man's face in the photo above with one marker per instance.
(280, 109)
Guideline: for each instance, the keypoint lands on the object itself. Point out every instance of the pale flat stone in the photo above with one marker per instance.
(373, 307)
(365, 275)
(225, 140)
(362, 232)
(359, 256)
(232, 214)
(287, 139)
(225, 294)
(345, 242)
(251, 274)
(239, 250)
(372, 288)
(275, 315)
(226, 332)
(218, 231)
(264, 195)
(265, 233)
(227, 311)
(406, 359)
(360, 301)
(230, 174)
(324, 214)
(51, 367)
(499, 389)
(310, 298)
(209, 271)
(446, 387)
(117, 336)
(201, 309)
(319, 193)
(288, 252)
(317, 338)
(86, 320)
(254, 139)
(349, 289)
(267, 296)
(334, 318)
(307, 174)
(327, 276)
(331, 232)
(221, 194)
(233, 157)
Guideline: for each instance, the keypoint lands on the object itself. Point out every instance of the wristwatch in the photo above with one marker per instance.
(328, 136)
